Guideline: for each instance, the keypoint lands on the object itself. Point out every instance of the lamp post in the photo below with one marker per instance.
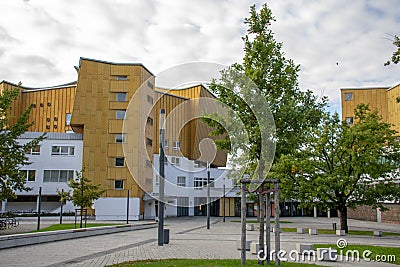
(161, 181)
(223, 203)
(208, 195)
(39, 208)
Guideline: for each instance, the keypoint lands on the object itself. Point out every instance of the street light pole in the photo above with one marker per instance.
(39, 208)
(223, 208)
(208, 195)
(161, 181)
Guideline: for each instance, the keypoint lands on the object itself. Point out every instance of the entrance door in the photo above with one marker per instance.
(183, 206)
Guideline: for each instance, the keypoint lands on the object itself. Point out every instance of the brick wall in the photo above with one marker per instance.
(365, 213)
(392, 215)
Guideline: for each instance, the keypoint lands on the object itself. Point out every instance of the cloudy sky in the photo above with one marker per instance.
(338, 43)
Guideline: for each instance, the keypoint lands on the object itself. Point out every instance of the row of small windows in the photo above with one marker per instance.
(198, 183)
(55, 150)
(49, 176)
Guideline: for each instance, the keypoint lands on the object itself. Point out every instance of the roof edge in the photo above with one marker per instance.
(41, 88)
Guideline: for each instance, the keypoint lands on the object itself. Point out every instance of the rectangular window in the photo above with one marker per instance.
(119, 184)
(122, 77)
(119, 162)
(349, 120)
(121, 97)
(148, 163)
(150, 99)
(149, 142)
(166, 143)
(199, 182)
(348, 96)
(62, 150)
(30, 175)
(120, 114)
(181, 181)
(68, 119)
(119, 138)
(199, 164)
(157, 179)
(149, 84)
(150, 121)
(34, 150)
(176, 145)
(57, 176)
(175, 161)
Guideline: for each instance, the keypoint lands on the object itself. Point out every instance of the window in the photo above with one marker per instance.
(150, 99)
(199, 183)
(30, 175)
(119, 138)
(119, 162)
(148, 163)
(175, 161)
(157, 179)
(120, 114)
(150, 121)
(118, 184)
(57, 176)
(149, 142)
(176, 145)
(181, 181)
(121, 97)
(62, 150)
(34, 150)
(122, 77)
(349, 120)
(166, 143)
(149, 84)
(348, 96)
(199, 164)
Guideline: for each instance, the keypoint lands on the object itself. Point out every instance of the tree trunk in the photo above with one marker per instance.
(81, 217)
(343, 218)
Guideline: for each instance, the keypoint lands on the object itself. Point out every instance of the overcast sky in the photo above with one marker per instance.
(338, 43)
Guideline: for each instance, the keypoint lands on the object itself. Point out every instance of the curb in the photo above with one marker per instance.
(17, 240)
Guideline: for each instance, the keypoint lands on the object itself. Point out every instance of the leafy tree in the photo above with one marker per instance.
(396, 54)
(343, 166)
(84, 192)
(12, 153)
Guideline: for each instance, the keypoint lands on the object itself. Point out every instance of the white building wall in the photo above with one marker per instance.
(186, 169)
(46, 161)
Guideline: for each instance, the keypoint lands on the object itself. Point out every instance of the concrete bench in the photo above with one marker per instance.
(313, 231)
(378, 233)
(340, 232)
(326, 254)
(250, 227)
(301, 230)
(239, 245)
(304, 248)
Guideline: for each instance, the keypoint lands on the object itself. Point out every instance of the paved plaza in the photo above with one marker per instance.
(189, 238)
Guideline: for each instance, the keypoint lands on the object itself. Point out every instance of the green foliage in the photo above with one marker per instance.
(294, 111)
(84, 191)
(68, 226)
(343, 166)
(12, 153)
(396, 54)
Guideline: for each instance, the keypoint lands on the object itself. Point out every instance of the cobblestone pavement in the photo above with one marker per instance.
(189, 238)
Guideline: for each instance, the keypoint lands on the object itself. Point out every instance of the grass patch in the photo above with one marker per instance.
(379, 254)
(202, 263)
(255, 221)
(68, 226)
(351, 232)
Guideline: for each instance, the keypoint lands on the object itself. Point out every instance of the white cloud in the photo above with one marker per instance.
(338, 43)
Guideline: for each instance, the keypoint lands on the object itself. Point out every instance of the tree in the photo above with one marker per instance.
(274, 79)
(12, 153)
(343, 166)
(84, 191)
(396, 54)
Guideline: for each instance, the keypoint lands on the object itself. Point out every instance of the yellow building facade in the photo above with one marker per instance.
(382, 99)
(96, 106)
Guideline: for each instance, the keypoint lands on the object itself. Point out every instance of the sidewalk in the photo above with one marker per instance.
(189, 238)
